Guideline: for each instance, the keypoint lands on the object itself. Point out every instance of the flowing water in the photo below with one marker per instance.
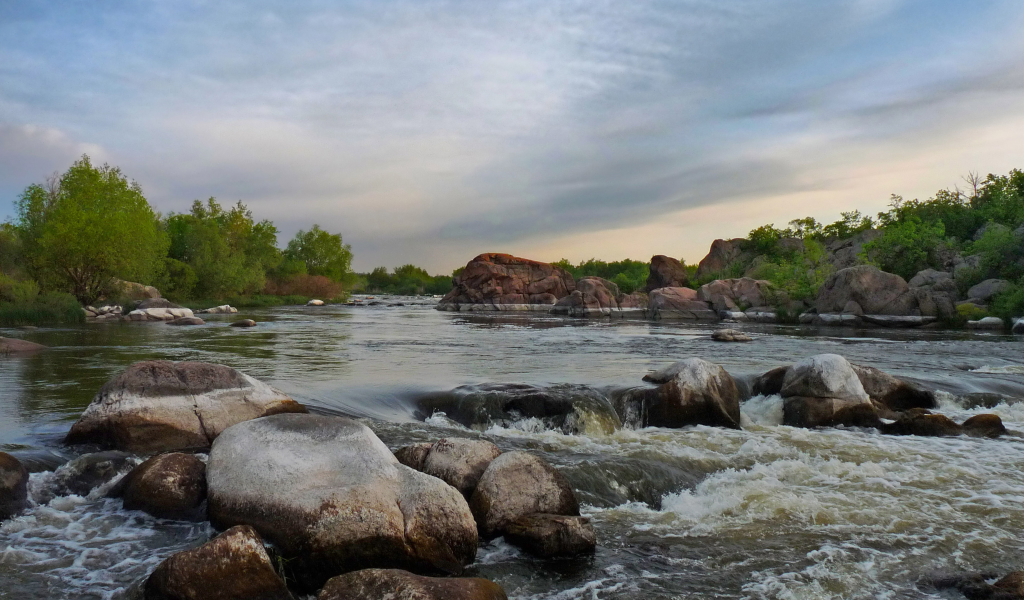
(766, 512)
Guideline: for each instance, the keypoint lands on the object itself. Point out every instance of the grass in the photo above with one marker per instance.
(46, 309)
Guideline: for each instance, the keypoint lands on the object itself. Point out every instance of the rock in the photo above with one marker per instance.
(244, 323)
(159, 405)
(846, 253)
(414, 456)
(10, 346)
(694, 392)
(135, 291)
(928, 278)
(223, 309)
(1010, 587)
(985, 425)
(922, 423)
(156, 303)
(1018, 326)
(895, 394)
(315, 302)
(460, 462)
(505, 282)
(332, 497)
(975, 586)
(852, 308)
(836, 320)
(666, 271)
(232, 566)
(393, 584)
(770, 383)
(87, 472)
(159, 314)
(13, 486)
(167, 486)
(187, 321)
(679, 303)
(550, 536)
(730, 335)
(986, 290)
(895, 321)
(987, 323)
(877, 292)
(593, 297)
(721, 255)
(735, 294)
(517, 484)
(824, 390)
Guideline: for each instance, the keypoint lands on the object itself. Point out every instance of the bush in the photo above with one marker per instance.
(1009, 304)
(18, 292)
(46, 309)
(905, 247)
(800, 277)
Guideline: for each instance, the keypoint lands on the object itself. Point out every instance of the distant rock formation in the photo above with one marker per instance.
(504, 282)
(666, 271)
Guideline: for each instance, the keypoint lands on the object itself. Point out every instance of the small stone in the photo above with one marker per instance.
(244, 323)
(13, 486)
(730, 335)
(315, 303)
(550, 536)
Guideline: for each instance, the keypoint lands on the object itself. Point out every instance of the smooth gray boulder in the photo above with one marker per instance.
(824, 390)
(693, 392)
(460, 462)
(232, 566)
(730, 335)
(986, 290)
(928, 278)
(987, 323)
(877, 292)
(13, 486)
(332, 497)
(158, 405)
(394, 584)
(517, 484)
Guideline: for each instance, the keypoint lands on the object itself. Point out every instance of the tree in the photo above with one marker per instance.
(88, 227)
(322, 252)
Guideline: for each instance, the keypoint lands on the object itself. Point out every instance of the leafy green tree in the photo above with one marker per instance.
(323, 253)
(849, 225)
(906, 246)
(87, 228)
(799, 275)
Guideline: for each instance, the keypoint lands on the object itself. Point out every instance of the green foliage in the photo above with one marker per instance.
(849, 225)
(1009, 304)
(906, 246)
(765, 239)
(1001, 199)
(407, 280)
(800, 276)
(88, 227)
(629, 275)
(1001, 252)
(17, 291)
(45, 309)
(321, 253)
(970, 312)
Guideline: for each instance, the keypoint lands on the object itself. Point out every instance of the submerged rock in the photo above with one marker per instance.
(824, 390)
(87, 472)
(187, 321)
(332, 497)
(550, 536)
(16, 346)
(168, 486)
(414, 455)
(922, 423)
(232, 566)
(13, 486)
(666, 271)
(516, 484)
(460, 462)
(393, 584)
(244, 323)
(692, 392)
(986, 425)
(730, 335)
(160, 405)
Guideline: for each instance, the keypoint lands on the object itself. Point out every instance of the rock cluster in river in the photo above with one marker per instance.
(505, 282)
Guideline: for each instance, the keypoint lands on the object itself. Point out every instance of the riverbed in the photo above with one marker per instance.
(766, 512)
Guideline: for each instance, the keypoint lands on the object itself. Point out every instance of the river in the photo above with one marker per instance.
(766, 512)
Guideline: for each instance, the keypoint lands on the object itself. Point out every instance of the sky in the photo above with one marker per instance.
(428, 132)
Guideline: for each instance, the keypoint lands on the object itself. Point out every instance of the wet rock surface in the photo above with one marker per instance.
(460, 462)
(824, 390)
(13, 486)
(232, 566)
(16, 346)
(394, 584)
(730, 335)
(550, 536)
(162, 405)
(692, 392)
(168, 486)
(332, 497)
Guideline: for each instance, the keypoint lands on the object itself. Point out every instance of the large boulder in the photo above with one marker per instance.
(394, 584)
(505, 282)
(332, 497)
(679, 303)
(877, 292)
(893, 393)
(158, 405)
(844, 253)
(692, 392)
(550, 536)
(460, 462)
(722, 254)
(13, 486)
(168, 486)
(666, 271)
(517, 484)
(10, 346)
(134, 291)
(593, 297)
(232, 566)
(824, 390)
(986, 290)
(735, 294)
(984, 425)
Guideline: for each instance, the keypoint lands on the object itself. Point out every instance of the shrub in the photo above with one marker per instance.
(1009, 304)
(313, 286)
(44, 309)
(800, 277)
(905, 247)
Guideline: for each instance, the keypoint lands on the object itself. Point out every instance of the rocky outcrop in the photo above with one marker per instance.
(505, 282)
(551, 536)
(593, 297)
(460, 462)
(393, 584)
(936, 281)
(846, 253)
(134, 291)
(824, 390)
(736, 294)
(723, 253)
(730, 335)
(877, 292)
(516, 484)
(168, 486)
(232, 566)
(691, 392)
(159, 405)
(332, 497)
(9, 346)
(679, 303)
(13, 486)
(666, 271)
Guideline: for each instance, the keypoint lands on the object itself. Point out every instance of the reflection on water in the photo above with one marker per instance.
(767, 512)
